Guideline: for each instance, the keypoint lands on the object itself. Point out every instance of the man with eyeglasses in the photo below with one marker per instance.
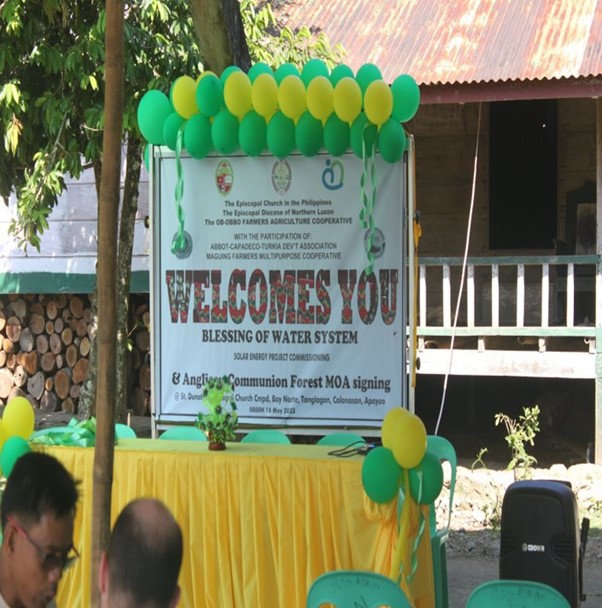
(37, 515)
(142, 562)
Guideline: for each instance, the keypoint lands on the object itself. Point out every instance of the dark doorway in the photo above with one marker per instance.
(523, 174)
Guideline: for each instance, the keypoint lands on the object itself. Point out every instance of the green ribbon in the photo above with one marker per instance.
(179, 242)
(368, 197)
(79, 433)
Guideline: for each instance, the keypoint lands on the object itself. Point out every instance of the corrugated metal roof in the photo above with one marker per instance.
(460, 41)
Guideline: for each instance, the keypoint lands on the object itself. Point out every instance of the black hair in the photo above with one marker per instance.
(38, 484)
(144, 555)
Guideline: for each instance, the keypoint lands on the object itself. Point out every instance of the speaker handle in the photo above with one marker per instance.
(583, 545)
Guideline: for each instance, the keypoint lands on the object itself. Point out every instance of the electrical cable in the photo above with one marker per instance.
(461, 289)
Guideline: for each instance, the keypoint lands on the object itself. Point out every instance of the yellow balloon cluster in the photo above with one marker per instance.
(405, 435)
(16, 426)
(290, 93)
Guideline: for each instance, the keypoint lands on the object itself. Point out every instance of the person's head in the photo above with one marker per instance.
(141, 565)
(37, 515)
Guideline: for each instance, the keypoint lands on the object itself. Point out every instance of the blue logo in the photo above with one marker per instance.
(332, 176)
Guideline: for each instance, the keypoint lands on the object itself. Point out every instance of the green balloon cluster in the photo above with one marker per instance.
(305, 109)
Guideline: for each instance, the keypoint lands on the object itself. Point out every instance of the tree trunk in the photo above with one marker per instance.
(106, 282)
(220, 34)
(124, 269)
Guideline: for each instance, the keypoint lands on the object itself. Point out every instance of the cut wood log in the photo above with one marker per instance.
(87, 314)
(59, 325)
(140, 401)
(20, 376)
(59, 361)
(84, 346)
(80, 371)
(42, 344)
(11, 361)
(19, 308)
(31, 362)
(35, 385)
(37, 308)
(49, 384)
(48, 402)
(68, 406)
(74, 391)
(15, 391)
(7, 345)
(144, 377)
(26, 341)
(36, 324)
(71, 355)
(142, 339)
(81, 328)
(66, 315)
(67, 336)
(2, 358)
(48, 362)
(49, 327)
(61, 300)
(56, 346)
(52, 310)
(62, 383)
(13, 329)
(6, 383)
(76, 306)
(2, 320)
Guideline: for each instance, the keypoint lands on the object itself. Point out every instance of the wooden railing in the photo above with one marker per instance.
(511, 296)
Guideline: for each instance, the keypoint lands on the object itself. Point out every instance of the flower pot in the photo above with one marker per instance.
(217, 445)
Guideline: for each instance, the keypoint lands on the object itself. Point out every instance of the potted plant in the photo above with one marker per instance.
(220, 420)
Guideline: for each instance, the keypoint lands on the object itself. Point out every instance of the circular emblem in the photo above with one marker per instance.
(224, 177)
(378, 242)
(281, 176)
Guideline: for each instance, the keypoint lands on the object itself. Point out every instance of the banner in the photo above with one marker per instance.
(262, 274)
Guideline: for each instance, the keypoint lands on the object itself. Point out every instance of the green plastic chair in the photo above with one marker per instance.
(123, 431)
(342, 440)
(445, 451)
(516, 594)
(351, 589)
(186, 433)
(266, 436)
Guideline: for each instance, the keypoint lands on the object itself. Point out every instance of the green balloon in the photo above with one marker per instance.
(259, 68)
(14, 447)
(210, 95)
(224, 132)
(391, 141)
(308, 134)
(362, 130)
(153, 109)
(426, 480)
(286, 69)
(224, 75)
(313, 68)
(366, 74)
(340, 71)
(381, 475)
(171, 126)
(281, 135)
(252, 134)
(406, 98)
(197, 136)
(336, 135)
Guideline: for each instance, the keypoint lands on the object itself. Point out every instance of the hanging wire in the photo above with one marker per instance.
(468, 229)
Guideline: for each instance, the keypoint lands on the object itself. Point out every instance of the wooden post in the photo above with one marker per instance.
(598, 380)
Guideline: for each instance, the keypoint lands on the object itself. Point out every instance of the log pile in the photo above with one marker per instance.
(45, 344)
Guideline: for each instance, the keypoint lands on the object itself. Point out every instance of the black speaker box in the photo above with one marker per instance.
(540, 538)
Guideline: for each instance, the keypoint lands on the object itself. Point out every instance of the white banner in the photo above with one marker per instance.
(272, 288)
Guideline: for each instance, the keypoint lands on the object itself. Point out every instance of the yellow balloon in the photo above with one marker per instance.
(319, 97)
(378, 102)
(237, 93)
(203, 74)
(408, 441)
(292, 97)
(391, 417)
(183, 97)
(347, 99)
(18, 418)
(264, 95)
(3, 435)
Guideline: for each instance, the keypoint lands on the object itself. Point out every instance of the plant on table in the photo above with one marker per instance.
(220, 420)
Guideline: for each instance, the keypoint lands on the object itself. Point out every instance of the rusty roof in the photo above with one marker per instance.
(455, 42)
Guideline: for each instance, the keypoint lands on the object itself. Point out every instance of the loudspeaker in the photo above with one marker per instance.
(540, 538)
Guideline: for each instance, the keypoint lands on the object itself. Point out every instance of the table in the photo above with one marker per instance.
(260, 521)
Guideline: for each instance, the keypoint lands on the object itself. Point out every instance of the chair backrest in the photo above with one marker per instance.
(516, 594)
(444, 450)
(351, 589)
(123, 431)
(342, 439)
(265, 436)
(187, 433)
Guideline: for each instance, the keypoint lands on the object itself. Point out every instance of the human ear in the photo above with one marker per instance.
(103, 576)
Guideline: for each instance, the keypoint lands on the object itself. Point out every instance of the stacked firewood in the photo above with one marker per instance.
(45, 343)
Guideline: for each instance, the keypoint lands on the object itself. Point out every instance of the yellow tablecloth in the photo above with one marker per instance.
(260, 521)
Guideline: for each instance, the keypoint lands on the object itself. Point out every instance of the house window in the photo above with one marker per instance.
(523, 174)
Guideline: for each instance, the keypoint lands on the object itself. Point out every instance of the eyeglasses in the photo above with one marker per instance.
(51, 560)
